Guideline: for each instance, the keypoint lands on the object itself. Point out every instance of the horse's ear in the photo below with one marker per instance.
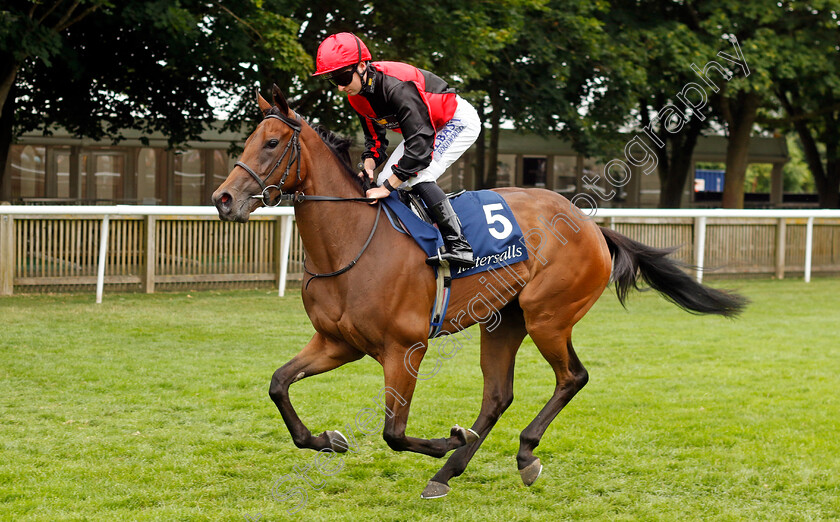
(263, 103)
(279, 99)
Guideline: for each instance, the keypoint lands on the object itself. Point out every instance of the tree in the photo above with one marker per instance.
(153, 65)
(31, 28)
(147, 65)
(655, 46)
(543, 75)
(455, 39)
(793, 51)
(750, 27)
(808, 88)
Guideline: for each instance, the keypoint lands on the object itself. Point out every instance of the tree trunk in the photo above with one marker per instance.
(7, 121)
(674, 168)
(480, 163)
(495, 120)
(826, 179)
(670, 194)
(738, 145)
(8, 74)
(809, 144)
(830, 197)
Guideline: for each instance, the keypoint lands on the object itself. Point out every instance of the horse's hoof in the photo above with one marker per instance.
(435, 490)
(531, 472)
(338, 442)
(465, 435)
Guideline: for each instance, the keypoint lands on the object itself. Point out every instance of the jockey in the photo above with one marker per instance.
(437, 127)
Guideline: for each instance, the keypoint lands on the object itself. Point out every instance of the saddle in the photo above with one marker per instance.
(487, 222)
(413, 201)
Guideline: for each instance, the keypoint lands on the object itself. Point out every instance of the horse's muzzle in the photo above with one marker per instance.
(229, 208)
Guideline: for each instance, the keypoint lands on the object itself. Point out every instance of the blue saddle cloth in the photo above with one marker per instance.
(487, 223)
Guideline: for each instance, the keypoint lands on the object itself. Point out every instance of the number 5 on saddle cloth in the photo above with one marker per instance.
(487, 223)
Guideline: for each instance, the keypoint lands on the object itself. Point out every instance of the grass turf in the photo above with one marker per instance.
(155, 407)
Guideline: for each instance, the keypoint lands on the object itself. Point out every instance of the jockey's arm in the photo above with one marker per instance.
(376, 142)
(417, 130)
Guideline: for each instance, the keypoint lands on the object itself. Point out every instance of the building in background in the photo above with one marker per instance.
(61, 169)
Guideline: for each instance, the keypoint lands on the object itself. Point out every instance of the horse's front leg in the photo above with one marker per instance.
(400, 383)
(321, 354)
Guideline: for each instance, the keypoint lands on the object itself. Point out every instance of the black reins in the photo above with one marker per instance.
(293, 145)
(353, 262)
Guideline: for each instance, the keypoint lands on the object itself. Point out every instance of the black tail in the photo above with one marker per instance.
(632, 259)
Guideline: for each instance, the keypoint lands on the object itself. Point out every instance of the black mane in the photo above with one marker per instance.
(338, 145)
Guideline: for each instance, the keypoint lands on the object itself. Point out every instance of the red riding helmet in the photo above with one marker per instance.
(340, 50)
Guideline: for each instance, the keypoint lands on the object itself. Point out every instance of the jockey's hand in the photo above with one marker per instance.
(366, 168)
(377, 193)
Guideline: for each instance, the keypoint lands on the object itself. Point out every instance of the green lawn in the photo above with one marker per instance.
(155, 407)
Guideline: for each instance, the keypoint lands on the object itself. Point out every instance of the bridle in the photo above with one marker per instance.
(293, 145)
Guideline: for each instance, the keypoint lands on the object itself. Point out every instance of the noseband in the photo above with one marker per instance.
(292, 145)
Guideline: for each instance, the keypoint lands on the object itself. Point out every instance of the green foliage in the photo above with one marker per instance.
(807, 85)
(758, 178)
(153, 67)
(32, 28)
(456, 40)
(585, 70)
(156, 63)
(280, 45)
(798, 178)
(551, 69)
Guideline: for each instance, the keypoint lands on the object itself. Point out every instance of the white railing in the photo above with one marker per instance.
(105, 213)
(700, 216)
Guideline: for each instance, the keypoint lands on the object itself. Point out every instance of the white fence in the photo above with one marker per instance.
(11, 246)
(701, 217)
(148, 245)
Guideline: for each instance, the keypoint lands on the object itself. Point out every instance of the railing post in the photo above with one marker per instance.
(285, 243)
(148, 275)
(781, 231)
(809, 246)
(103, 251)
(699, 245)
(7, 255)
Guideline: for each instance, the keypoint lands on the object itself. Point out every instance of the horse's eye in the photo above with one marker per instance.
(272, 143)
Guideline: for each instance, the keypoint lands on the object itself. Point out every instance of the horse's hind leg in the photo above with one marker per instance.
(498, 351)
(571, 376)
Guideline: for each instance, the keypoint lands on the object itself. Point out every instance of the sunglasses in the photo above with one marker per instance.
(342, 78)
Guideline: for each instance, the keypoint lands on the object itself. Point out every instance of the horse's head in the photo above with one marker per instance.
(269, 164)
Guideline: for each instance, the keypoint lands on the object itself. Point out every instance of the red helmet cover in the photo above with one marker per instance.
(340, 50)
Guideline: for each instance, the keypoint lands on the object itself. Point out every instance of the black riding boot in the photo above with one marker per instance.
(459, 253)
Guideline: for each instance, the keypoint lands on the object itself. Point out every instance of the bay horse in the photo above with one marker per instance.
(368, 290)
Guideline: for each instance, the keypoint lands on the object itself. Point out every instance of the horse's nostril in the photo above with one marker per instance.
(223, 201)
